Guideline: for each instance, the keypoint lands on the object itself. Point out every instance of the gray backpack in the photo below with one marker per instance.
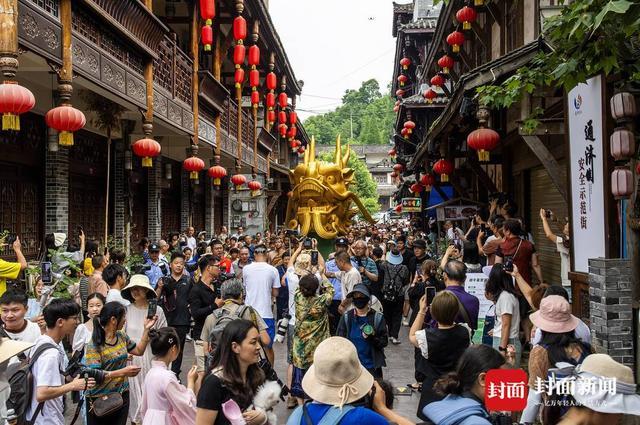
(223, 318)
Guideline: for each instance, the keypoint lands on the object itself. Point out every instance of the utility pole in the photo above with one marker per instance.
(351, 120)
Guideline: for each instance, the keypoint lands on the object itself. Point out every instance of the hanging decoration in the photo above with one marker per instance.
(398, 168)
(398, 208)
(427, 180)
(393, 175)
(193, 165)
(437, 81)
(621, 183)
(254, 75)
(270, 98)
(430, 94)
(66, 119)
(400, 93)
(301, 150)
(446, 63)
(282, 117)
(405, 133)
(409, 125)
(405, 63)
(402, 79)
(444, 168)
(622, 143)
(483, 139)
(455, 40)
(207, 13)
(466, 16)
(392, 152)
(255, 187)
(416, 188)
(146, 149)
(396, 106)
(293, 118)
(295, 144)
(217, 173)
(238, 180)
(623, 107)
(239, 51)
(14, 101)
(283, 100)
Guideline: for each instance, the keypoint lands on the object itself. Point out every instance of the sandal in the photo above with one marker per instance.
(415, 387)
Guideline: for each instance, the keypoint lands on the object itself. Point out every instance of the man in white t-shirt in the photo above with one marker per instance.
(261, 281)
(562, 244)
(49, 388)
(348, 275)
(191, 239)
(13, 307)
(116, 277)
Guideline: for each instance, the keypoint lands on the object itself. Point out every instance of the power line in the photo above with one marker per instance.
(361, 67)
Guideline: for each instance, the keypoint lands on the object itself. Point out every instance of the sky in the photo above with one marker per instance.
(335, 45)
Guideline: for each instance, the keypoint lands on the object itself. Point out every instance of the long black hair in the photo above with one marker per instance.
(161, 340)
(557, 343)
(499, 281)
(475, 360)
(110, 309)
(224, 357)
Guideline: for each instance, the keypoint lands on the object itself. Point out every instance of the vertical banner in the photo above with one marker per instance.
(586, 144)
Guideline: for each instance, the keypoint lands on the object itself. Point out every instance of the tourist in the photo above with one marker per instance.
(242, 261)
(191, 240)
(396, 279)
(34, 306)
(109, 351)
(10, 269)
(340, 244)
(157, 267)
(82, 335)
(138, 292)
(262, 281)
(217, 249)
(347, 274)
(282, 299)
(96, 280)
(13, 308)
(366, 329)
(164, 399)
(116, 277)
(489, 247)
(454, 274)
(365, 265)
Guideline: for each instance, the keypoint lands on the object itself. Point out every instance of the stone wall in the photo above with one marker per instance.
(611, 308)
(57, 188)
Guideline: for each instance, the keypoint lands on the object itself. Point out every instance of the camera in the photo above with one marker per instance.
(367, 330)
(292, 232)
(548, 214)
(508, 264)
(76, 368)
(281, 332)
(307, 243)
(10, 237)
(271, 375)
(45, 272)
(222, 277)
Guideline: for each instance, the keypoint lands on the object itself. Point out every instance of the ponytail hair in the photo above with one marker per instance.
(475, 360)
(161, 340)
(110, 309)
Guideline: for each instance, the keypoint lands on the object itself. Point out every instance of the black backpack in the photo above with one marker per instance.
(393, 285)
(21, 382)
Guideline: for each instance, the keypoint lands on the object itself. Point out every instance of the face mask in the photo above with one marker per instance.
(360, 302)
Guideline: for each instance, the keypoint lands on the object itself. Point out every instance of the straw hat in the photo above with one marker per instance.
(10, 348)
(555, 315)
(139, 281)
(336, 376)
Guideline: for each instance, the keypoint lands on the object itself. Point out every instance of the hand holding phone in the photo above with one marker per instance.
(430, 292)
(152, 309)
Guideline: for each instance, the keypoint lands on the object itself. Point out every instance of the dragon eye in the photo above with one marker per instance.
(331, 179)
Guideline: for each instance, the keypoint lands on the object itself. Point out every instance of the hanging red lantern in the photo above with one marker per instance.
(444, 168)
(206, 37)
(255, 98)
(394, 175)
(621, 183)
(466, 16)
(392, 152)
(255, 187)
(271, 116)
(292, 133)
(217, 173)
(396, 108)
(301, 150)
(282, 117)
(14, 100)
(404, 133)
(271, 81)
(446, 63)
(239, 52)
(478, 2)
(239, 77)
(66, 119)
(402, 79)
(270, 100)
(400, 93)
(622, 143)
(293, 118)
(430, 94)
(455, 40)
(283, 100)
(398, 168)
(416, 188)
(254, 56)
(193, 165)
(427, 180)
(398, 208)
(483, 140)
(437, 81)
(146, 149)
(283, 129)
(207, 12)
(409, 125)
(254, 78)
(295, 144)
(238, 180)
(239, 28)
(405, 63)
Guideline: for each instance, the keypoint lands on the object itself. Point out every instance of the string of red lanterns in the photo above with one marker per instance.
(207, 13)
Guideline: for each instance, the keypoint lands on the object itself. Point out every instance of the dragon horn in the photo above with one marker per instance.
(338, 152)
(312, 149)
(306, 158)
(345, 159)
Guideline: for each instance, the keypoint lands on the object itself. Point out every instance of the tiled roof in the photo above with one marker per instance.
(402, 7)
(422, 23)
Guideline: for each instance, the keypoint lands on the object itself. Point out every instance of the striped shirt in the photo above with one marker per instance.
(110, 357)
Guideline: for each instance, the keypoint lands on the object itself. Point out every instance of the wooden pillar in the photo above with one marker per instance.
(9, 37)
(195, 21)
(217, 68)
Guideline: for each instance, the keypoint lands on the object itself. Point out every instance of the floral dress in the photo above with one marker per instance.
(312, 324)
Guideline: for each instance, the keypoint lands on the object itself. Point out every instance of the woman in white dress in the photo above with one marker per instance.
(138, 292)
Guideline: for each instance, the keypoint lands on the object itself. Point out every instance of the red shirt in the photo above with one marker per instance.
(521, 256)
(225, 265)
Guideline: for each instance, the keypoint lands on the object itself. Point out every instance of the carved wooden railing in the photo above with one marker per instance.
(172, 70)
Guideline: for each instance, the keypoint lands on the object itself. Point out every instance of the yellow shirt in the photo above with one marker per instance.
(87, 267)
(8, 270)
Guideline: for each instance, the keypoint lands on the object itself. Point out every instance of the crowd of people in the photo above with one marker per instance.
(116, 340)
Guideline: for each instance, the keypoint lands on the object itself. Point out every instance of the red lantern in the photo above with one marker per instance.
(255, 98)
(282, 117)
(283, 129)
(217, 173)
(621, 183)
(295, 144)
(392, 152)
(437, 81)
(239, 77)
(271, 116)
(255, 187)
(239, 28)
(398, 168)
(292, 133)
(14, 100)
(483, 140)
(193, 165)
(405, 133)
(396, 108)
(283, 100)
(254, 78)
(270, 100)
(146, 149)
(293, 118)
(66, 119)
(416, 188)
(394, 175)
(238, 180)
(409, 125)
(455, 40)
(239, 52)
(398, 208)
(405, 62)
(444, 168)
(301, 150)
(254, 55)
(446, 63)
(427, 180)
(430, 94)
(402, 79)
(399, 92)
(206, 37)
(271, 81)
(466, 15)
(622, 143)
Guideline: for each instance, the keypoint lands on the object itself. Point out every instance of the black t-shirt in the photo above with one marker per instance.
(211, 396)
(175, 297)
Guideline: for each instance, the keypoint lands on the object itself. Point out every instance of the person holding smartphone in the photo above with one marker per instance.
(144, 304)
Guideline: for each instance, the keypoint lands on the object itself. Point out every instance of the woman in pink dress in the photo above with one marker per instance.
(164, 400)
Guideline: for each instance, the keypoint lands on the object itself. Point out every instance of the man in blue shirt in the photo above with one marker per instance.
(158, 268)
(341, 244)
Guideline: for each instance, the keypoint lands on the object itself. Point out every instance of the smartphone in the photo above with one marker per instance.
(314, 258)
(153, 306)
(307, 243)
(430, 292)
(45, 272)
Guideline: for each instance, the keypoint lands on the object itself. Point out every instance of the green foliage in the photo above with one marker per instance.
(588, 37)
(365, 111)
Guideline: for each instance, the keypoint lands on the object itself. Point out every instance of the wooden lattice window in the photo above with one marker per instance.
(49, 6)
(183, 78)
(162, 67)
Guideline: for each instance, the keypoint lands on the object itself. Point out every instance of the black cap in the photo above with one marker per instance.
(362, 288)
(154, 247)
(419, 243)
(342, 241)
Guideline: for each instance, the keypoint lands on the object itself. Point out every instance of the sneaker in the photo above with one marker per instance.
(395, 341)
(188, 337)
(405, 321)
